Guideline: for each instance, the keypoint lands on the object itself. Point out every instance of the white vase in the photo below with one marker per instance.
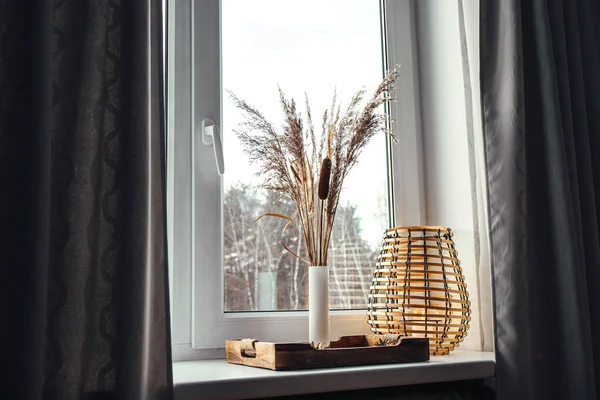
(318, 306)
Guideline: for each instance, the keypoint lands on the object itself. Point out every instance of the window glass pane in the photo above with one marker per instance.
(312, 46)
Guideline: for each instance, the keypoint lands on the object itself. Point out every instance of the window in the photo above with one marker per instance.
(231, 276)
(326, 46)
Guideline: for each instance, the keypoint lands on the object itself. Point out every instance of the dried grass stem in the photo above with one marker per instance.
(289, 160)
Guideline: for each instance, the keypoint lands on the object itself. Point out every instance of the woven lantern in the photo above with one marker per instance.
(419, 289)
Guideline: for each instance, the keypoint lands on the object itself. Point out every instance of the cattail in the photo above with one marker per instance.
(295, 173)
(324, 178)
(323, 193)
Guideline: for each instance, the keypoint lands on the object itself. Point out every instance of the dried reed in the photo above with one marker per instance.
(289, 161)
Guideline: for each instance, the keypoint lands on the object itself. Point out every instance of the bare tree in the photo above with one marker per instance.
(252, 248)
(261, 274)
(240, 248)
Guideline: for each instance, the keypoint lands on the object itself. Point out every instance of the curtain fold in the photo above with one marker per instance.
(82, 171)
(541, 105)
(25, 93)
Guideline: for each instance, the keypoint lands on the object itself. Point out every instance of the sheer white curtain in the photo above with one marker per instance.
(448, 43)
(468, 12)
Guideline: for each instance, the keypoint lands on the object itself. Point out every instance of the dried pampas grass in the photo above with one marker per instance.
(290, 161)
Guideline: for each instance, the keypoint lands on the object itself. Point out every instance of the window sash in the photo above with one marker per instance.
(200, 325)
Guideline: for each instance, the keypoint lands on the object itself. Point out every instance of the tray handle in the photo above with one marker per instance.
(247, 348)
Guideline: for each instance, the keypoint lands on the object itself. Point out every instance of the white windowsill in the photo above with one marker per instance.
(211, 379)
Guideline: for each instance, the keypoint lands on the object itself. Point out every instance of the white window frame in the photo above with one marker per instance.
(199, 323)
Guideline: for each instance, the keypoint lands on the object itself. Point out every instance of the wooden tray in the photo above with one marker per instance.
(346, 351)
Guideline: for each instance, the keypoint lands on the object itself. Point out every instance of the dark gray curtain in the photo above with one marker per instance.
(540, 77)
(82, 201)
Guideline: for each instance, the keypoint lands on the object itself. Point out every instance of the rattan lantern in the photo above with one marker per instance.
(419, 289)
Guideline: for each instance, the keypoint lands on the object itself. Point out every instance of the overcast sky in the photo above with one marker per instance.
(308, 46)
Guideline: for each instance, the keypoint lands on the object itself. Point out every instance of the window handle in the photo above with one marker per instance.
(211, 135)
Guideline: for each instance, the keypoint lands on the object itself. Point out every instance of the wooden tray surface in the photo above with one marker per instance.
(346, 351)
